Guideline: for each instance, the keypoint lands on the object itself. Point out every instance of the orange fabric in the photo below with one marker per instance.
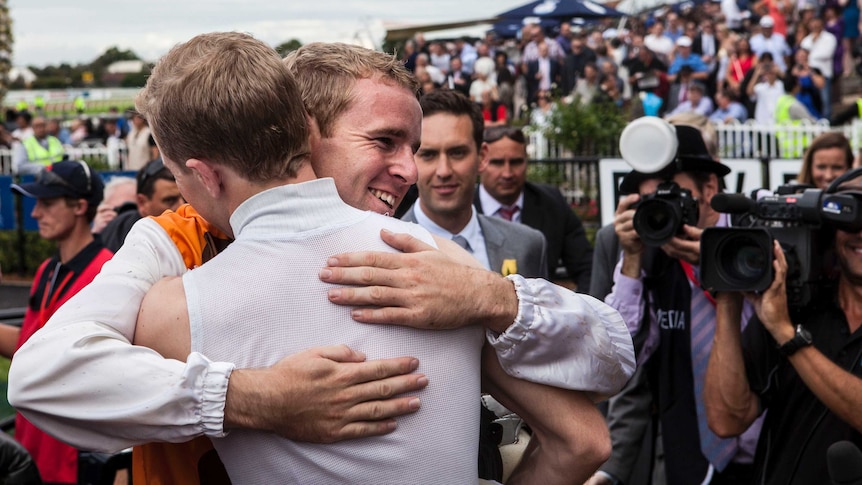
(195, 461)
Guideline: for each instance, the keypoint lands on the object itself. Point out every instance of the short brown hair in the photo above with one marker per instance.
(226, 97)
(449, 101)
(830, 139)
(327, 72)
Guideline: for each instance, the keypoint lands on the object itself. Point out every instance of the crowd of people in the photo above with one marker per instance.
(37, 140)
(724, 60)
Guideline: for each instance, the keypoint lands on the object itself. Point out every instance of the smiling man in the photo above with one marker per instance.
(449, 160)
(321, 395)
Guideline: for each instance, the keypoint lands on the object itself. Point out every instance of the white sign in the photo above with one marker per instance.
(745, 176)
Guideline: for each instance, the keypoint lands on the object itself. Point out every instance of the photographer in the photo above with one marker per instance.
(803, 366)
(657, 288)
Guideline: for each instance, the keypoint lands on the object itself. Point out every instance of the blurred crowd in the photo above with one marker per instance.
(729, 60)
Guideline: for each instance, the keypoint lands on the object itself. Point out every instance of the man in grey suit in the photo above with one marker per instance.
(505, 192)
(449, 159)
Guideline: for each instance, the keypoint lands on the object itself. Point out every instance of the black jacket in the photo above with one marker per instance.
(546, 210)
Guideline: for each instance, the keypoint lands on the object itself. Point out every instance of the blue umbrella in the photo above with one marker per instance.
(509, 28)
(562, 9)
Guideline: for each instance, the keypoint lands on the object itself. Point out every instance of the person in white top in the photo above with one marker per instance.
(138, 144)
(767, 40)
(658, 42)
(821, 46)
(312, 396)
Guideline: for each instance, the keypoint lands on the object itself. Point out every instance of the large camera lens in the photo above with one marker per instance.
(657, 221)
(743, 260)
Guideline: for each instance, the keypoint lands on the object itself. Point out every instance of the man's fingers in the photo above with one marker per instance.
(363, 275)
(366, 429)
(339, 353)
(381, 296)
(376, 378)
(404, 242)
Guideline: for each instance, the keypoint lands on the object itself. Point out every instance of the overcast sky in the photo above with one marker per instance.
(76, 31)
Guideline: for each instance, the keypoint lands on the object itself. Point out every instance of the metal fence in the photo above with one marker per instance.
(112, 157)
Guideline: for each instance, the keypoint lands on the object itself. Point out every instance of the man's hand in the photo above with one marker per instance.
(324, 395)
(630, 242)
(421, 287)
(687, 247)
(771, 306)
(104, 214)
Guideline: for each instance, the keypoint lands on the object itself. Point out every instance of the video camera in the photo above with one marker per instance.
(740, 258)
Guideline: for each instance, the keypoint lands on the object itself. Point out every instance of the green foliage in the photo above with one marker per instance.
(591, 129)
(66, 75)
(35, 248)
(286, 48)
(6, 42)
(112, 55)
(137, 80)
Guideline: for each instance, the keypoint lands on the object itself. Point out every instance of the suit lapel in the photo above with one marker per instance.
(494, 242)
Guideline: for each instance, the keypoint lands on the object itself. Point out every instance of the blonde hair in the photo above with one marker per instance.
(226, 98)
(327, 72)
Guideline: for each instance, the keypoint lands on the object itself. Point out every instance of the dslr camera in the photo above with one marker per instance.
(740, 258)
(659, 216)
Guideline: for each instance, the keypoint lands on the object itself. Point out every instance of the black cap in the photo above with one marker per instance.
(691, 156)
(65, 179)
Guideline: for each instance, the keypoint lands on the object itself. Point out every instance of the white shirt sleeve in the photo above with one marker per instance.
(565, 339)
(80, 379)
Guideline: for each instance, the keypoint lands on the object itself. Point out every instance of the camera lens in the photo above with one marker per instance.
(656, 221)
(743, 260)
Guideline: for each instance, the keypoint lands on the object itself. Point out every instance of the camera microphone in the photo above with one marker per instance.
(844, 461)
(732, 203)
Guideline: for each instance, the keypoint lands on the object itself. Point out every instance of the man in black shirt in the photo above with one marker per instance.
(804, 367)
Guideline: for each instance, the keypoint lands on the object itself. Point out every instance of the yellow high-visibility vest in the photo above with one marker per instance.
(36, 153)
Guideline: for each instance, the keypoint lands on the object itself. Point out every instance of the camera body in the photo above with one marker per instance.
(660, 216)
(740, 258)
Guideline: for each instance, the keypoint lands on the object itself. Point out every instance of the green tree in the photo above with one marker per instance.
(286, 48)
(112, 55)
(6, 41)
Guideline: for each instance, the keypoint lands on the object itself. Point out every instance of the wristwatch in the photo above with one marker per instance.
(801, 339)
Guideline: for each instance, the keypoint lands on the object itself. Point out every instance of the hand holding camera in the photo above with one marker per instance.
(771, 305)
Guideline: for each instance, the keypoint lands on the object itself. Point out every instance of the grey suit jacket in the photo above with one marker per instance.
(506, 240)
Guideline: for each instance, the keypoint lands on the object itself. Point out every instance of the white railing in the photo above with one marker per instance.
(737, 140)
(113, 156)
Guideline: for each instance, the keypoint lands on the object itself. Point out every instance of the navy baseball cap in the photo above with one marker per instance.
(65, 179)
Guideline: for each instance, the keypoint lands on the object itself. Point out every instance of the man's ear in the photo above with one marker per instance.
(208, 174)
(710, 188)
(81, 207)
(484, 159)
(141, 200)
(314, 135)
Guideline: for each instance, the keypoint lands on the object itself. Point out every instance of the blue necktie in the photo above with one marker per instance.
(462, 241)
(718, 451)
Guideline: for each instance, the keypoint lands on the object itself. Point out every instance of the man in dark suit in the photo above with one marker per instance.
(504, 192)
(543, 74)
(573, 64)
(448, 162)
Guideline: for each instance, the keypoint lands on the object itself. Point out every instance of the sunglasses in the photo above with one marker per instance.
(49, 178)
(150, 170)
(495, 133)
